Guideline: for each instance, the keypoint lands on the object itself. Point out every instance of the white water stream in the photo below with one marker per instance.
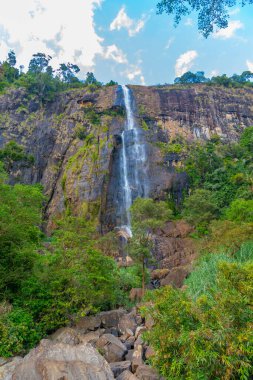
(133, 163)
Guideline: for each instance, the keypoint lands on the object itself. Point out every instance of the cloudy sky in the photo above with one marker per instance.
(123, 40)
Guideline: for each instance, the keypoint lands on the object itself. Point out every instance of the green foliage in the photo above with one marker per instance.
(12, 152)
(240, 210)
(237, 81)
(211, 15)
(146, 215)
(205, 337)
(20, 216)
(225, 172)
(200, 208)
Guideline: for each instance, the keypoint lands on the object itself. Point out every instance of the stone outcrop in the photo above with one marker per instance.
(75, 140)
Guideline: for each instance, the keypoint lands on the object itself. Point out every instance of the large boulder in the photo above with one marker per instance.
(176, 277)
(127, 322)
(111, 348)
(145, 372)
(89, 323)
(7, 367)
(53, 360)
(119, 367)
(127, 375)
(111, 318)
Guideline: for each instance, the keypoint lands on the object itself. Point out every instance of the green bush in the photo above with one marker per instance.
(240, 210)
(205, 337)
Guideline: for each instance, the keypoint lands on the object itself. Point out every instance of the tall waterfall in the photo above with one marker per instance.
(133, 162)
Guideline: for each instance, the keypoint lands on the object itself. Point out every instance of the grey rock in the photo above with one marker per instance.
(127, 375)
(127, 322)
(52, 360)
(119, 367)
(110, 319)
(111, 348)
(145, 372)
(89, 323)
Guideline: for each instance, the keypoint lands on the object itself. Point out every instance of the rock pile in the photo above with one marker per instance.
(102, 347)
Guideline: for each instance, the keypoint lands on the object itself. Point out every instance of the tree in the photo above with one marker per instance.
(240, 210)
(12, 58)
(211, 14)
(147, 215)
(68, 71)
(39, 63)
(190, 78)
(91, 80)
(200, 208)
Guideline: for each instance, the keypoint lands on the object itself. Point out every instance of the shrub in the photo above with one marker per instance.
(206, 338)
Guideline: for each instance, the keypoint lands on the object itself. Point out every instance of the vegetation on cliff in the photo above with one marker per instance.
(204, 331)
(41, 80)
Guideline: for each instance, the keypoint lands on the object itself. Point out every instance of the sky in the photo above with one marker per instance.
(125, 41)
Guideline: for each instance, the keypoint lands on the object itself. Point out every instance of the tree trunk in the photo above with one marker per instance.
(143, 276)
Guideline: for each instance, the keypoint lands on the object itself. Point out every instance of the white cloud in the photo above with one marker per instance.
(122, 20)
(185, 62)
(249, 65)
(114, 53)
(66, 32)
(134, 73)
(230, 31)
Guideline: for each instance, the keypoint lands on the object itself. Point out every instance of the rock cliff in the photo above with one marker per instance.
(75, 140)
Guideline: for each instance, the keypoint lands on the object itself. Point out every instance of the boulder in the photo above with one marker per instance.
(66, 335)
(127, 375)
(54, 360)
(127, 322)
(159, 274)
(111, 348)
(129, 355)
(149, 353)
(139, 331)
(89, 323)
(7, 367)
(130, 342)
(111, 318)
(176, 277)
(119, 367)
(137, 358)
(145, 372)
(91, 337)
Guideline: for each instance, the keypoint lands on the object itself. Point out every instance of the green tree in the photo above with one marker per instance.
(146, 215)
(200, 208)
(211, 14)
(12, 58)
(39, 63)
(68, 72)
(240, 210)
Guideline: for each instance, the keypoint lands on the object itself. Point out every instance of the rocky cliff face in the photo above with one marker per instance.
(75, 140)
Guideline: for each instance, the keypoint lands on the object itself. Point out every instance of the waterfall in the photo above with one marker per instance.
(133, 163)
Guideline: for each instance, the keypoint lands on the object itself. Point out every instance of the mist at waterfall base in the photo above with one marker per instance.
(133, 163)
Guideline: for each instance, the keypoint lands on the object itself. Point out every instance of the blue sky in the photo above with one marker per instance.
(124, 40)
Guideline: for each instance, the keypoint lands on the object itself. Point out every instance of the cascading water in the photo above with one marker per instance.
(133, 163)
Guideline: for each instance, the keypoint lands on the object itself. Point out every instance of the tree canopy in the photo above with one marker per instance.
(212, 14)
